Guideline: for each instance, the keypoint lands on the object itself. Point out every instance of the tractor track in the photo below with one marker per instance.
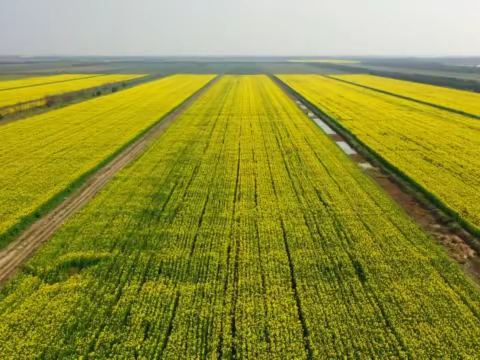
(20, 250)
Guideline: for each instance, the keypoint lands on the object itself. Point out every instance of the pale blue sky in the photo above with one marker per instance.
(248, 27)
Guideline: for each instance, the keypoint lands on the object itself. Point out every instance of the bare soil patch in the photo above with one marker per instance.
(336, 137)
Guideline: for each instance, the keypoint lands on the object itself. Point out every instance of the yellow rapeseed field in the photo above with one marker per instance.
(243, 232)
(437, 149)
(12, 96)
(42, 155)
(465, 101)
(41, 80)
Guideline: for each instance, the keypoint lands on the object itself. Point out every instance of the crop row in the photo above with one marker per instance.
(42, 155)
(242, 232)
(40, 92)
(464, 101)
(41, 80)
(438, 150)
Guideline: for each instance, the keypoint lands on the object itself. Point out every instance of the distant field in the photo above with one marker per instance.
(333, 61)
(242, 232)
(297, 68)
(465, 101)
(22, 82)
(44, 154)
(72, 66)
(23, 90)
(7, 77)
(437, 149)
(191, 66)
(451, 74)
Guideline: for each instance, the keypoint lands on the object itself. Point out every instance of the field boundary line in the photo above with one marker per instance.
(64, 99)
(428, 202)
(54, 82)
(441, 107)
(62, 206)
(25, 221)
(446, 81)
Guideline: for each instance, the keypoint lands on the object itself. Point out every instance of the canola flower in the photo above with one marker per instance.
(466, 101)
(242, 232)
(42, 155)
(19, 91)
(41, 80)
(437, 149)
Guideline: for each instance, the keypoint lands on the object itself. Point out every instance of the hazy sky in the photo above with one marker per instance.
(247, 27)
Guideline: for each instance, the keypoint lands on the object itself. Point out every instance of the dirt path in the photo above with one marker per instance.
(18, 251)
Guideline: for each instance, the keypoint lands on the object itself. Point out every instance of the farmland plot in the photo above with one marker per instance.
(243, 231)
(24, 92)
(435, 148)
(41, 80)
(43, 155)
(466, 101)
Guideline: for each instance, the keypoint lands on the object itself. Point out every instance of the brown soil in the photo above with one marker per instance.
(335, 137)
(17, 252)
(357, 158)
